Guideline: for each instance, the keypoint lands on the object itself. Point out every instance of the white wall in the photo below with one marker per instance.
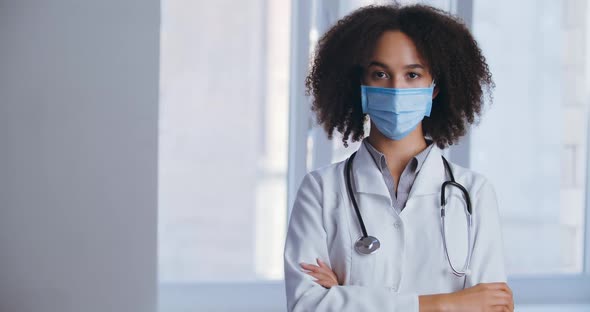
(78, 155)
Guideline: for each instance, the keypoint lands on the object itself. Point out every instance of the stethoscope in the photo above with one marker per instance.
(367, 245)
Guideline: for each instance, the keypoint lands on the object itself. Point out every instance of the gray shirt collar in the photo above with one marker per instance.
(416, 162)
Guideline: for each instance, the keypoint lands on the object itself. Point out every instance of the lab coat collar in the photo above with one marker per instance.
(368, 179)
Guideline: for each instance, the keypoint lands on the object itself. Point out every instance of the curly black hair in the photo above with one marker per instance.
(444, 43)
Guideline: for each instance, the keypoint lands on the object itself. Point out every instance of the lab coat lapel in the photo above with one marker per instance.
(430, 178)
(367, 177)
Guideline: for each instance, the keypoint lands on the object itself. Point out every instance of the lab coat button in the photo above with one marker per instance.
(397, 225)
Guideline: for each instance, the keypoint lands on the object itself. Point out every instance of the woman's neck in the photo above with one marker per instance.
(398, 152)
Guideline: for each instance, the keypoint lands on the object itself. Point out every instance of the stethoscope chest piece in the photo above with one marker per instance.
(367, 245)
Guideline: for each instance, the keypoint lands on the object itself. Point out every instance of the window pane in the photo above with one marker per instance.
(223, 139)
(532, 142)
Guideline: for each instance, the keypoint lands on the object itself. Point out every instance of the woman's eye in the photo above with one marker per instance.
(413, 75)
(380, 75)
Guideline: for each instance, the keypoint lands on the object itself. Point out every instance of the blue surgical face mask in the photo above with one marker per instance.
(396, 111)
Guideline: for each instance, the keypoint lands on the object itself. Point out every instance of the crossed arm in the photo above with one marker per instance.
(482, 297)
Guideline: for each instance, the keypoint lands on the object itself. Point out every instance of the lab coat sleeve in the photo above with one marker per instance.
(307, 240)
(487, 263)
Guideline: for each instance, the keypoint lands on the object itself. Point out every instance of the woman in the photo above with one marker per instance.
(419, 76)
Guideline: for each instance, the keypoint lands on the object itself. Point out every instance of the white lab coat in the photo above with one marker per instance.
(411, 260)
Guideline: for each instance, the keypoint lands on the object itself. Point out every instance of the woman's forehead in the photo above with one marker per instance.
(395, 50)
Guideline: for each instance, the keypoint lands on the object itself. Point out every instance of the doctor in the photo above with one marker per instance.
(396, 227)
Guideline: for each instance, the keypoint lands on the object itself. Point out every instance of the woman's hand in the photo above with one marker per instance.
(325, 276)
(482, 297)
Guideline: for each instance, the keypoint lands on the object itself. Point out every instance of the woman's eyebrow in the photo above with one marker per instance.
(376, 63)
(414, 66)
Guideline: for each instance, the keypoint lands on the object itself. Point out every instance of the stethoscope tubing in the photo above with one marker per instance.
(460, 273)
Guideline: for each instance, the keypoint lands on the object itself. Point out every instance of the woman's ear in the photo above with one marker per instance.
(435, 92)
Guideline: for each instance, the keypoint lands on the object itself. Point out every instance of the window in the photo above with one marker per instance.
(223, 140)
(532, 143)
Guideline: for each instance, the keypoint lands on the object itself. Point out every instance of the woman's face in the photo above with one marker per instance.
(396, 64)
